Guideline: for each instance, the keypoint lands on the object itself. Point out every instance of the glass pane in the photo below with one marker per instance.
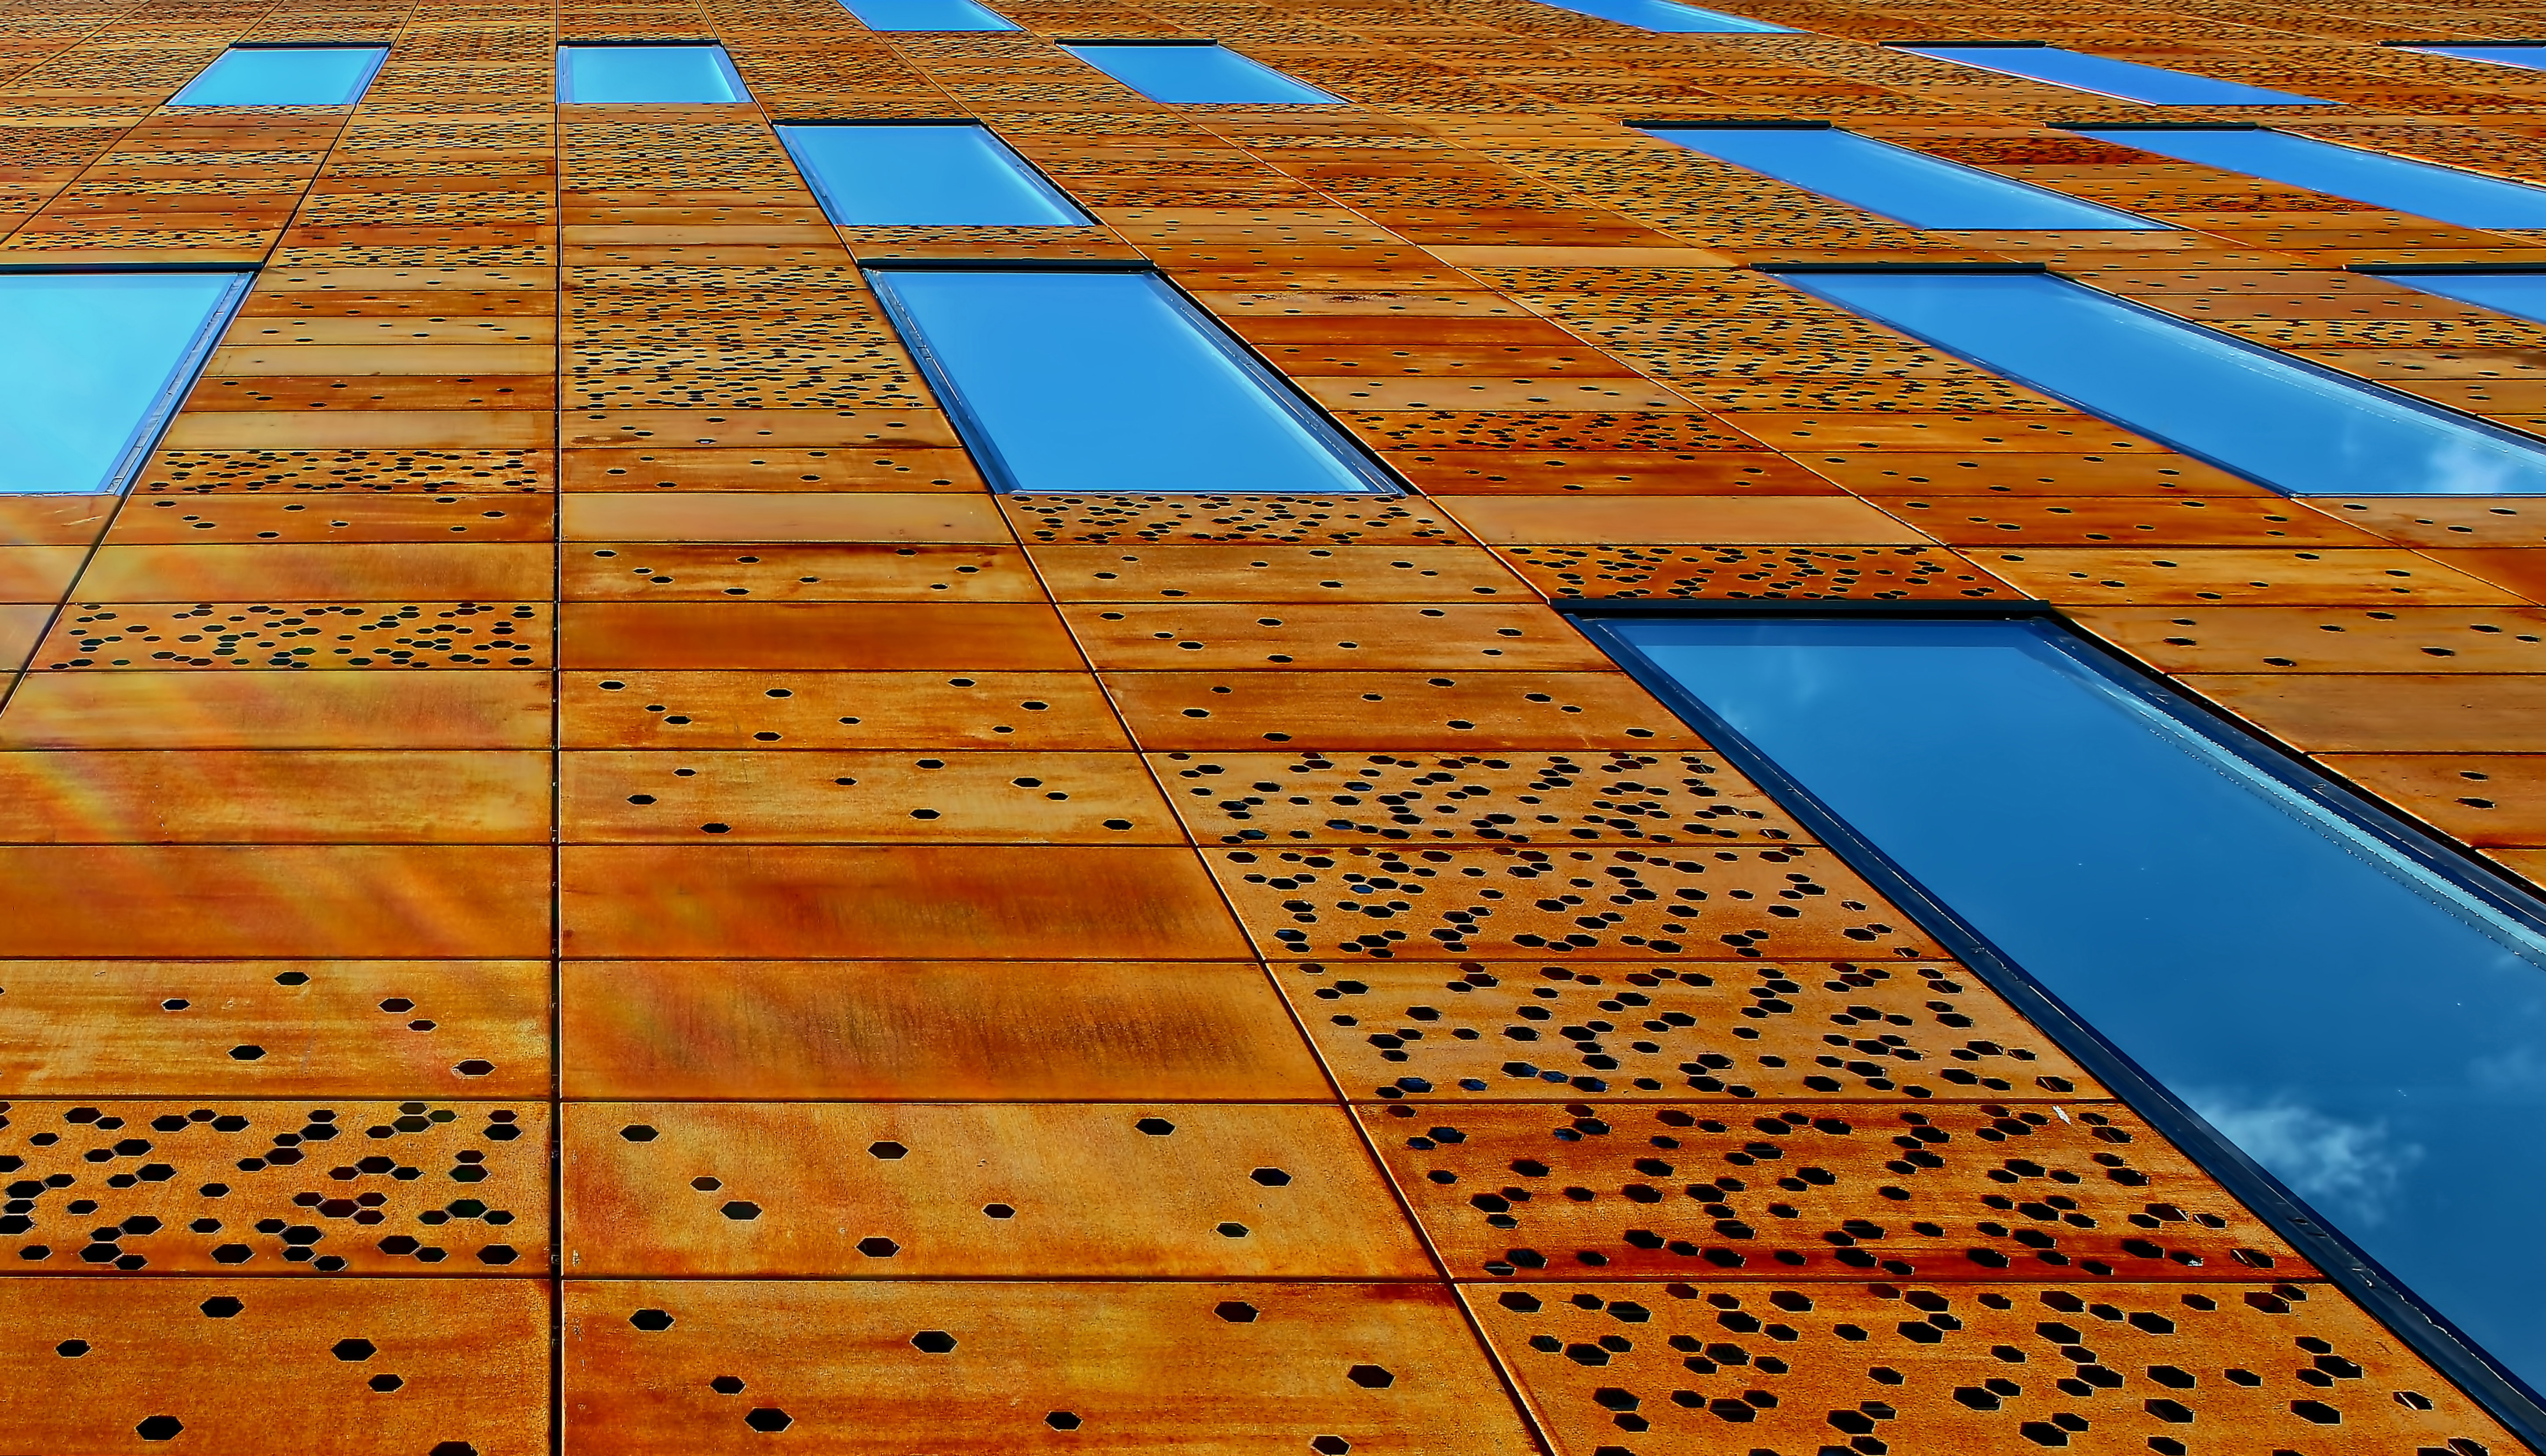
(643, 75)
(2104, 76)
(92, 364)
(2526, 57)
(1665, 18)
(2360, 1027)
(1087, 381)
(2419, 188)
(2255, 413)
(948, 176)
(1200, 75)
(925, 15)
(2522, 294)
(1894, 181)
(281, 75)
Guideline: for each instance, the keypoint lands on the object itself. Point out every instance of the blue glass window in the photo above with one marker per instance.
(648, 76)
(1906, 186)
(2521, 294)
(2264, 415)
(928, 174)
(91, 366)
(1664, 18)
(2363, 1026)
(1185, 73)
(2105, 76)
(2423, 189)
(2527, 55)
(926, 15)
(285, 75)
(1085, 380)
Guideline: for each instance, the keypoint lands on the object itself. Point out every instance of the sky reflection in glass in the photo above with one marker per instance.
(1200, 75)
(931, 175)
(1895, 182)
(648, 76)
(285, 75)
(92, 365)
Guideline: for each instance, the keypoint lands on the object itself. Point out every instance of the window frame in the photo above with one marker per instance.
(1035, 177)
(2424, 1330)
(379, 57)
(1278, 389)
(725, 62)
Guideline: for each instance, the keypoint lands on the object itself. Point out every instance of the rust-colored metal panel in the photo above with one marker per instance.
(2370, 577)
(1721, 473)
(1804, 572)
(275, 1028)
(1581, 905)
(298, 633)
(2141, 475)
(907, 902)
(243, 1366)
(2486, 521)
(255, 519)
(473, 902)
(54, 520)
(1567, 798)
(1981, 522)
(873, 636)
(1622, 390)
(792, 572)
(449, 428)
(810, 796)
(38, 574)
(1136, 1190)
(2479, 798)
(1502, 1030)
(304, 476)
(2386, 713)
(1037, 710)
(276, 797)
(1369, 635)
(858, 429)
(1275, 573)
(819, 468)
(799, 516)
(1810, 520)
(1130, 1369)
(2426, 639)
(1211, 710)
(1930, 1189)
(1808, 435)
(2514, 568)
(279, 710)
(2102, 1366)
(1205, 519)
(1021, 1031)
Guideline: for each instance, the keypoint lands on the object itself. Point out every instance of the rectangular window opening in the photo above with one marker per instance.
(1667, 17)
(2270, 418)
(926, 15)
(1909, 187)
(1196, 74)
(682, 74)
(2344, 1001)
(2127, 80)
(924, 174)
(93, 364)
(2423, 189)
(285, 75)
(1110, 381)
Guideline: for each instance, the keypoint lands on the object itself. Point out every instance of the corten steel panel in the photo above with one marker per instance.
(795, 429)
(872, 635)
(1506, 1030)
(1584, 904)
(1130, 1369)
(1275, 573)
(2386, 713)
(2372, 577)
(2479, 799)
(1979, 523)
(54, 520)
(1562, 799)
(279, 710)
(1909, 1188)
(21, 626)
(253, 519)
(474, 901)
(1595, 520)
(1540, 350)
(788, 571)
(2512, 568)
(296, 633)
(735, 515)
(245, 1366)
(1659, 431)
(911, 1190)
(1205, 519)
(1371, 634)
(38, 574)
(1622, 391)
(990, 1031)
(905, 903)
(815, 796)
(1970, 1367)
(307, 476)
(1209, 710)
(369, 430)
(815, 469)
(414, 797)
(279, 1187)
(219, 394)
(1807, 434)
(1033, 711)
(1723, 472)
(1887, 474)
(2439, 521)
(320, 1028)
(1748, 573)
(2498, 639)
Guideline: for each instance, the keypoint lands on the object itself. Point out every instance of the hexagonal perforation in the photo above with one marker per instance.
(858, 571)
(1741, 572)
(837, 710)
(1971, 1367)
(812, 795)
(1276, 573)
(1719, 1028)
(155, 635)
(1935, 1189)
(1102, 520)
